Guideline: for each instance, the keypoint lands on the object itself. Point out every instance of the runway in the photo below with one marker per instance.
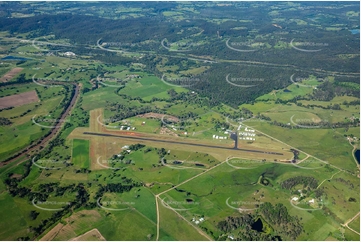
(179, 142)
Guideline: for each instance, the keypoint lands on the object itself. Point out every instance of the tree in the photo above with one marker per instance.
(34, 214)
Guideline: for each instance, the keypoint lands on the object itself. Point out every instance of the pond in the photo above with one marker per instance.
(264, 181)
(357, 155)
(16, 58)
(258, 225)
(277, 238)
(355, 31)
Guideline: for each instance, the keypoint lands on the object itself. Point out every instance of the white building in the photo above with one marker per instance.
(69, 53)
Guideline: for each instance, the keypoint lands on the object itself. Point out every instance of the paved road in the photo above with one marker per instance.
(178, 142)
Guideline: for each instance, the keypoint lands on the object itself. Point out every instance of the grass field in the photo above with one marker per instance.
(350, 235)
(22, 130)
(145, 167)
(210, 197)
(113, 226)
(340, 189)
(81, 153)
(20, 136)
(147, 88)
(286, 94)
(109, 223)
(172, 227)
(290, 113)
(355, 224)
(99, 98)
(328, 145)
(13, 215)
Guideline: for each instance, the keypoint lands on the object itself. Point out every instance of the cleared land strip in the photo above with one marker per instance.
(181, 143)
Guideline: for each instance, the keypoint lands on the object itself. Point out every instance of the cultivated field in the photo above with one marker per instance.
(11, 74)
(19, 99)
(92, 235)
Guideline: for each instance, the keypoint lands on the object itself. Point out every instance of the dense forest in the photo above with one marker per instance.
(87, 30)
(304, 180)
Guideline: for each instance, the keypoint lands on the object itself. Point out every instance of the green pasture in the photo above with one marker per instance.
(80, 154)
(326, 144)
